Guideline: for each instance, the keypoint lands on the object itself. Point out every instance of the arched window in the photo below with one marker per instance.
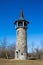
(25, 24)
(20, 24)
(21, 53)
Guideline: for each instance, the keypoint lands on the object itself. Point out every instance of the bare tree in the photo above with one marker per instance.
(32, 46)
(41, 43)
(7, 51)
(11, 50)
(3, 48)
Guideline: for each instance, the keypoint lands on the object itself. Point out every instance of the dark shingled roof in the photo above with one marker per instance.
(21, 18)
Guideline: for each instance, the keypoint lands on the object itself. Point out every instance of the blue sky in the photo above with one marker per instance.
(33, 12)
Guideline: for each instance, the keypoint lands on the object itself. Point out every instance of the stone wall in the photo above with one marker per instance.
(21, 44)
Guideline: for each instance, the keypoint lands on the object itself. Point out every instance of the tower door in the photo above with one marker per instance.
(17, 55)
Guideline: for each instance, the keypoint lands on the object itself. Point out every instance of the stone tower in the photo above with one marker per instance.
(21, 37)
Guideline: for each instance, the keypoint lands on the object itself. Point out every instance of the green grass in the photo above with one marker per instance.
(20, 62)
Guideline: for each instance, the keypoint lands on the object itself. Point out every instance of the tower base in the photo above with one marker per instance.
(19, 56)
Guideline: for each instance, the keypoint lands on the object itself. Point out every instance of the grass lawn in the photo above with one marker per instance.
(20, 62)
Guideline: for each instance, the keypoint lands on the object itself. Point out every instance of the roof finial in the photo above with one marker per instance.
(21, 13)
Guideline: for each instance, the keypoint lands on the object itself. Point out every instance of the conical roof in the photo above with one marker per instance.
(21, 15)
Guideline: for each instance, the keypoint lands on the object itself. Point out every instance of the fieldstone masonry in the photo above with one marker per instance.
(21, 43)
